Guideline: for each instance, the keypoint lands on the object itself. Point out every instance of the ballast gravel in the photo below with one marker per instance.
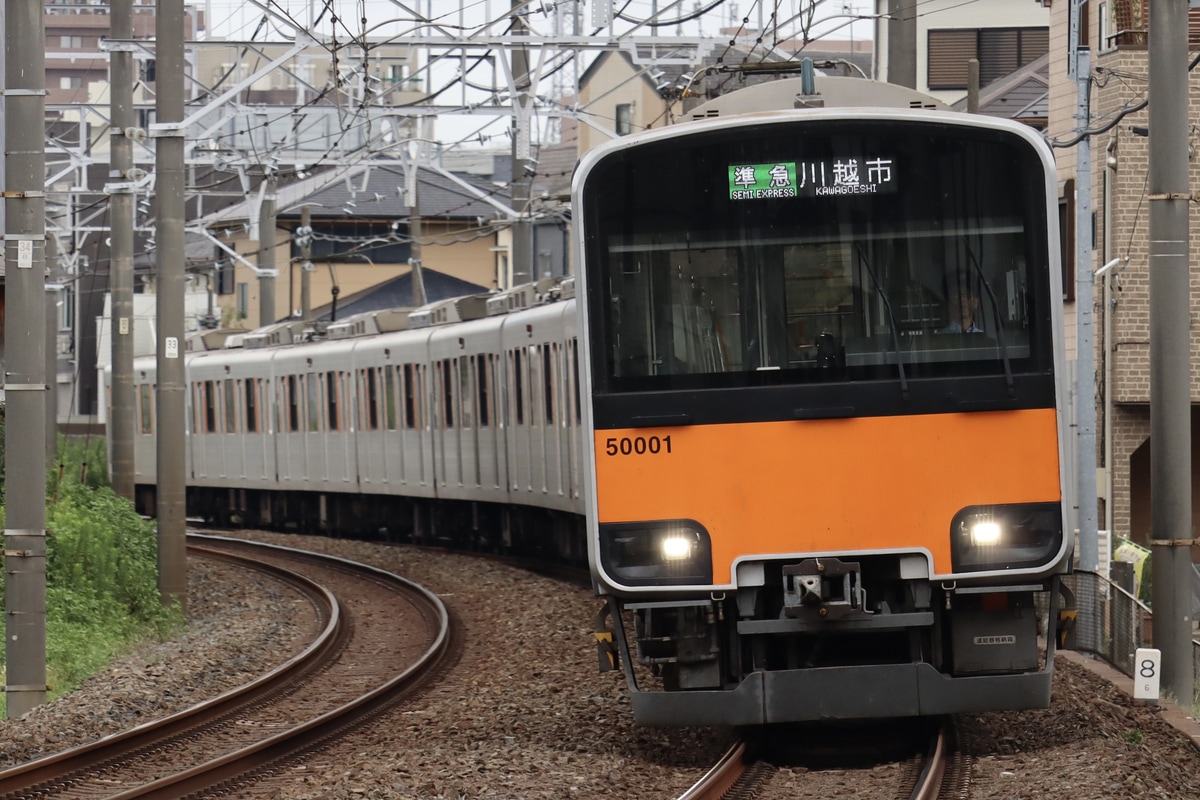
(524, 714)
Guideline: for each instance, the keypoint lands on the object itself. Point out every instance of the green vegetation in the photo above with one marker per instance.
(101, 571)
(1134, 737)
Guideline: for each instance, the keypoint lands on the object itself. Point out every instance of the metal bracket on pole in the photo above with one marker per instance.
(25, 532)
(27, 687)
(24, 387)
(31, 194)
(1172, 196)
(23, 93)
(163, 129)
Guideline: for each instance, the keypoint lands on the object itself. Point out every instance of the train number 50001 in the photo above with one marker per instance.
(637, 445)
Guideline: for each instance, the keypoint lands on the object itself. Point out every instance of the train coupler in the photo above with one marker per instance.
(606, 648)
(827, 587)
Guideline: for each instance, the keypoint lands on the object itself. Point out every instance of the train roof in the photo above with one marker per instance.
(831, 91)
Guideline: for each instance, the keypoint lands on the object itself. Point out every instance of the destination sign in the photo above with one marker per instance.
(836, 177)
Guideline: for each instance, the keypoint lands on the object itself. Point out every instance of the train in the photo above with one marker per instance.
(800, 410)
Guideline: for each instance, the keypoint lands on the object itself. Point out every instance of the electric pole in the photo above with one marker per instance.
(25, 334)
(266, 255)
(170, 187)
(121, 191)
(522, 234)
(1170, 348)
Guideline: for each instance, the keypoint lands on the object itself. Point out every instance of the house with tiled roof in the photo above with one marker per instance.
(363, 236)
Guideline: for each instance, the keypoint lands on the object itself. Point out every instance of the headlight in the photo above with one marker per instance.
(668, 552)
(1016, 536)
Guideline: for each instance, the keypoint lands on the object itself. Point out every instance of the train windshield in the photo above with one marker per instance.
(818, 252)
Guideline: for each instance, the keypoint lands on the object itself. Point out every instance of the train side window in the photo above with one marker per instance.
(549, 359)
(252, 405)
(466, 392)
(146, 407)
(230, 409)
(422, 398)
(332, 397)
(483, 384)
(390, 415)
(447, 378)
(518, 383)
(372, 399)
(410, 396)
(533, 364)
(210, 407)
(294, 400)
(312, 401)
(197, 406)
(575, 379)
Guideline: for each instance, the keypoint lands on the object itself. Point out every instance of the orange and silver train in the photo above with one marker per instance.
(823, 409)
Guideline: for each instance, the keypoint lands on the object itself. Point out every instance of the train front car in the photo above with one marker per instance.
(824, 407)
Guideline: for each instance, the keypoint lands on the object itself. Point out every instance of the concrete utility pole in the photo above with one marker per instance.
(120, 272)
(522, 238)
(170, 186)
(1170, 350)
(25, 334)
(266, 255)
(1085, 280)
(902, 43)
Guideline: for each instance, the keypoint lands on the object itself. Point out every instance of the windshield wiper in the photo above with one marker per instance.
(887, 304)
(1008, 378)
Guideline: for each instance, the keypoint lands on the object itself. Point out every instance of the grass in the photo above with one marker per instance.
(102, 594)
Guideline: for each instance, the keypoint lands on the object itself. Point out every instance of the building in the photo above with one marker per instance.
(363, 236)
(621, 94)
(1116, 32)
(941, 36)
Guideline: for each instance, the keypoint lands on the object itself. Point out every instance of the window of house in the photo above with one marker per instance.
(624, 118)
(1000, 51)
(1105, 27)
(243, 300)
(70, 43)
(70, 82)
(225, 270)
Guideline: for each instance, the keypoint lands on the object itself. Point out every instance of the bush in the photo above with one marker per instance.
(101, 572)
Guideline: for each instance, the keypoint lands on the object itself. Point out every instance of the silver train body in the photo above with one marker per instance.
(461, 430)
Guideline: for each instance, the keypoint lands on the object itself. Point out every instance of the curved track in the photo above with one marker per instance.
(379, 641)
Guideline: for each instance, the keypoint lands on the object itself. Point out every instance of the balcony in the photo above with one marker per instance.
(1129, 23)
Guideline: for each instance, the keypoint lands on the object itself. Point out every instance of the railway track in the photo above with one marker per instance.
(380, 638)
(750, 766)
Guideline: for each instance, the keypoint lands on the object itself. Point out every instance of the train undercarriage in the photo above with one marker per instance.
(830, 638)
(485, 527)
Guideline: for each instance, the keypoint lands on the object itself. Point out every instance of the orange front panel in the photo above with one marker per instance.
(828, 486)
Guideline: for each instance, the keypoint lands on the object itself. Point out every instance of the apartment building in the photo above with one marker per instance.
(1116, 33)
